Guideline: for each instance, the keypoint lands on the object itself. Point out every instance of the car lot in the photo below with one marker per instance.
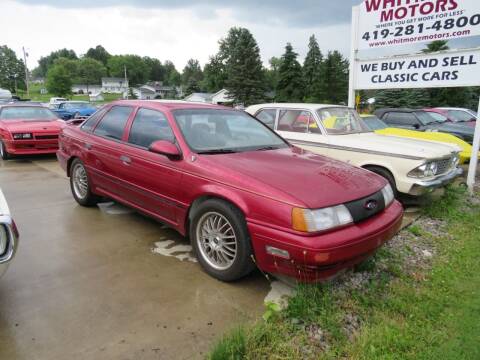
(85, 283)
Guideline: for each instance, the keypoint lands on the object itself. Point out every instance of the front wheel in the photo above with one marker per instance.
(221, 241)
(80, 185)
(3, 151)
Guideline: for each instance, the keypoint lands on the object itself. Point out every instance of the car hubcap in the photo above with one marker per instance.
(80, 181)
(217, 241)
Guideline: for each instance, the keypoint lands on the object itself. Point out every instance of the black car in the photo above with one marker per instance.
(424, 121)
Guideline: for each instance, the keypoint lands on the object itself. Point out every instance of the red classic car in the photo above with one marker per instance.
(27, 130)
(242, 194)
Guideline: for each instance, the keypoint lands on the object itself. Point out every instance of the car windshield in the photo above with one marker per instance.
(26, 113)
(212, 131)
(76, 105)
(374, 123)
(460, 116)
(342, 121)
(430, 117)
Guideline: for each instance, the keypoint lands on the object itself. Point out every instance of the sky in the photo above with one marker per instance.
(175, 30)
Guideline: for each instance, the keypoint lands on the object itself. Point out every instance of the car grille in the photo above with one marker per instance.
(360, 211)
(46, 137)
(444, 166)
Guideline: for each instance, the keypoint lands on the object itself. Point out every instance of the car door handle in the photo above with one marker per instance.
(125, 159)
(88, 146)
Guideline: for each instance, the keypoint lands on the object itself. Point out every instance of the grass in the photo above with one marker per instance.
(402, 309)
(35, 95)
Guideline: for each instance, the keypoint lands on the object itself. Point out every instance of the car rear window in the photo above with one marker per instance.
(26, 113)
(113, 123)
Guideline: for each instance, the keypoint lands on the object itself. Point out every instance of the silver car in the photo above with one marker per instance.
(8, 236)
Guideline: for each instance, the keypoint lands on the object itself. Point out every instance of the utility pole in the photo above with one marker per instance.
(25, 55)
(126, 80)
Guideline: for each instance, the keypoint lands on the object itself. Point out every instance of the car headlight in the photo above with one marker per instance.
(456, 160)
(426, 170)
(3, 239)
(307, 220)
(22, 136)
(388, 195)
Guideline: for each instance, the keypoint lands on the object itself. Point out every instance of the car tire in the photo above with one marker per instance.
(387, 175)
(220, 239)
(3, 152)
(80, 185)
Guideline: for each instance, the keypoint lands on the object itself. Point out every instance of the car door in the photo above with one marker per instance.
(105, 149)
(300, 127)
(152, 181)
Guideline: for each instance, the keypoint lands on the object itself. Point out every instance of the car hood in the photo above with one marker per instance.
(293, 176)
(394, 145)
(32, 125)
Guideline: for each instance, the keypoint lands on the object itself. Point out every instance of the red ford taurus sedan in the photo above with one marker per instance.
(241, 193)
(28, 130)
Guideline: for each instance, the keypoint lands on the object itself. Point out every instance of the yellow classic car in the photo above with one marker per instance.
(377, 125)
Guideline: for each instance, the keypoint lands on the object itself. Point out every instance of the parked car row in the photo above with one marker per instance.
(302, 190)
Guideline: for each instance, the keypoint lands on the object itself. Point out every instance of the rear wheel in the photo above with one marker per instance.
(3, 151)
(80, 185)
(221, 240)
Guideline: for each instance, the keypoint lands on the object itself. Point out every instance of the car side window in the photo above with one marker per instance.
(113, 123)
(150, 126)
(90, 123)
(300, 121)
(267, 116)
(400, 118)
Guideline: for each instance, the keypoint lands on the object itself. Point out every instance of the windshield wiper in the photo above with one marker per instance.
(217, 151)
(267, 148)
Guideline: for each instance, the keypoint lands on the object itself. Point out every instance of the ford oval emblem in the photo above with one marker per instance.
(371, 205)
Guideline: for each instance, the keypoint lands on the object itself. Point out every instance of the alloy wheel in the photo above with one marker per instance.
(80, 181)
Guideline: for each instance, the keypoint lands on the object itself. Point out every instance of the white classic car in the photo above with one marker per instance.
(8, 236)
(412, 167)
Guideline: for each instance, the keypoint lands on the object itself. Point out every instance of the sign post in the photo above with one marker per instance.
(379, 24)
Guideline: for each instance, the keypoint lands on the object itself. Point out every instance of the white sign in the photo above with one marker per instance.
(385, 23)
(452, 69)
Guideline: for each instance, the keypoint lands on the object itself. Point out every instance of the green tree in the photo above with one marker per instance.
(12, 70)
(240, 54)
(172, 76)
(290, 84)
(98, 53)
(272, 74)
(90, 71)
(192, 76)
(59, 80)
(313, 73)
(45, 62)
(156, 69)
(137, 70)
(214, 75)
(336, 78)
(438, 45)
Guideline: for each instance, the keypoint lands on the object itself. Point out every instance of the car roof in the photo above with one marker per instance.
(170, 104)
(19, 104)
(381, 112)
(312, 107)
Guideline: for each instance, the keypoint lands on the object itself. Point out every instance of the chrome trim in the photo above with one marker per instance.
(12, 240)
(336, 147)
(421, 187)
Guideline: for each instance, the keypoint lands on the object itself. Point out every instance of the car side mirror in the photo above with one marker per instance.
(166, 148)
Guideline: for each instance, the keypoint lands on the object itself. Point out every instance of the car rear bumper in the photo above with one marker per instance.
(422, 187)
(63, 160)
(319, 257)
(32, 147)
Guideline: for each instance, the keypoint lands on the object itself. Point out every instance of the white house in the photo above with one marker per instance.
(86, 89)
(145, 92)
(114, 85)
(221, 98)
(200, 97)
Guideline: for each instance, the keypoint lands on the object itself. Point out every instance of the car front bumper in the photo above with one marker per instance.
(32, 147)
(423, 187)
(319, 257)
